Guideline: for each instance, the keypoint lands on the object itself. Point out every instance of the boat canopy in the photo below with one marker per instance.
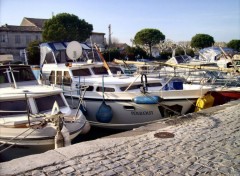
(179, 59)
(211, 54)
(55, 52)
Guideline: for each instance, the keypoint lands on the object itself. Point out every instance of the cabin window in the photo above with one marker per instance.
(81, 72)
(106, 89)
(154, 84)
(100, 70)
(132, 87)
(90, 88)
(66, 78)
(46, 103)
(115, 70)
(52, 77)
(59, 78)
(14, 106)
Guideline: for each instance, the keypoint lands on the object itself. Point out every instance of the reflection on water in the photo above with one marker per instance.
(20, 151)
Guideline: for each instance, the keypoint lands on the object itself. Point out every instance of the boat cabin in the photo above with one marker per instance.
(18, 84)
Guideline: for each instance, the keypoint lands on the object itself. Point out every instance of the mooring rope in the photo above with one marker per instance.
(10, 146)
(164, 106)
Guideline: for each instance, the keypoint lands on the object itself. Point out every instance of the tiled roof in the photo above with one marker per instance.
(20, 28)
(98, 33)
(36, 21)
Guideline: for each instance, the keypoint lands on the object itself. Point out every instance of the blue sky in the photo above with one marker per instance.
(178, 20)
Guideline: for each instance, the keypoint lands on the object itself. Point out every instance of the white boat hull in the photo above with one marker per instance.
(128, 115)
(124, 118)
(43, 136)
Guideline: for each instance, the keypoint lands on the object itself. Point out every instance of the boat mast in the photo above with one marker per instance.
(109, 38)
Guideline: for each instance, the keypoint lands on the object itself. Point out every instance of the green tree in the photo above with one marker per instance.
(33, 53)
(202, 41)
(148, 37)
(234, 44)
(133, 52)
(190, 52)
(66, 27)
(111, 54)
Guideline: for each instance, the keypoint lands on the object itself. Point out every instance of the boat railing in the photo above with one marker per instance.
(190, 76)
(203, 77)
(226, 82)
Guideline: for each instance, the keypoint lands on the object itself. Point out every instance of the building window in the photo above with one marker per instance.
(3, 38)
(17, 39)
(37, 37)
(28, 39)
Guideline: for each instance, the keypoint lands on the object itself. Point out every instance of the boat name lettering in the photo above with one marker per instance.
(142, 113)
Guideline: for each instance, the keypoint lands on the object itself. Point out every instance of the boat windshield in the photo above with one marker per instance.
(23, 74)
(46, 103)
(20, 73)
(12, 107)
(182, 59)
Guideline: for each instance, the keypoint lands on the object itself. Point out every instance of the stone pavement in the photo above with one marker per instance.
(204, 143)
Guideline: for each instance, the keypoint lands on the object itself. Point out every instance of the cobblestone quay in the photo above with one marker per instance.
(204, 143)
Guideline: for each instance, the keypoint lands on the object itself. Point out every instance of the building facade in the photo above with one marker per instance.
(97, 38)
(14, 39)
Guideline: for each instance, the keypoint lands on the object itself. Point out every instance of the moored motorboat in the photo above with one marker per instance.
(33, 114)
